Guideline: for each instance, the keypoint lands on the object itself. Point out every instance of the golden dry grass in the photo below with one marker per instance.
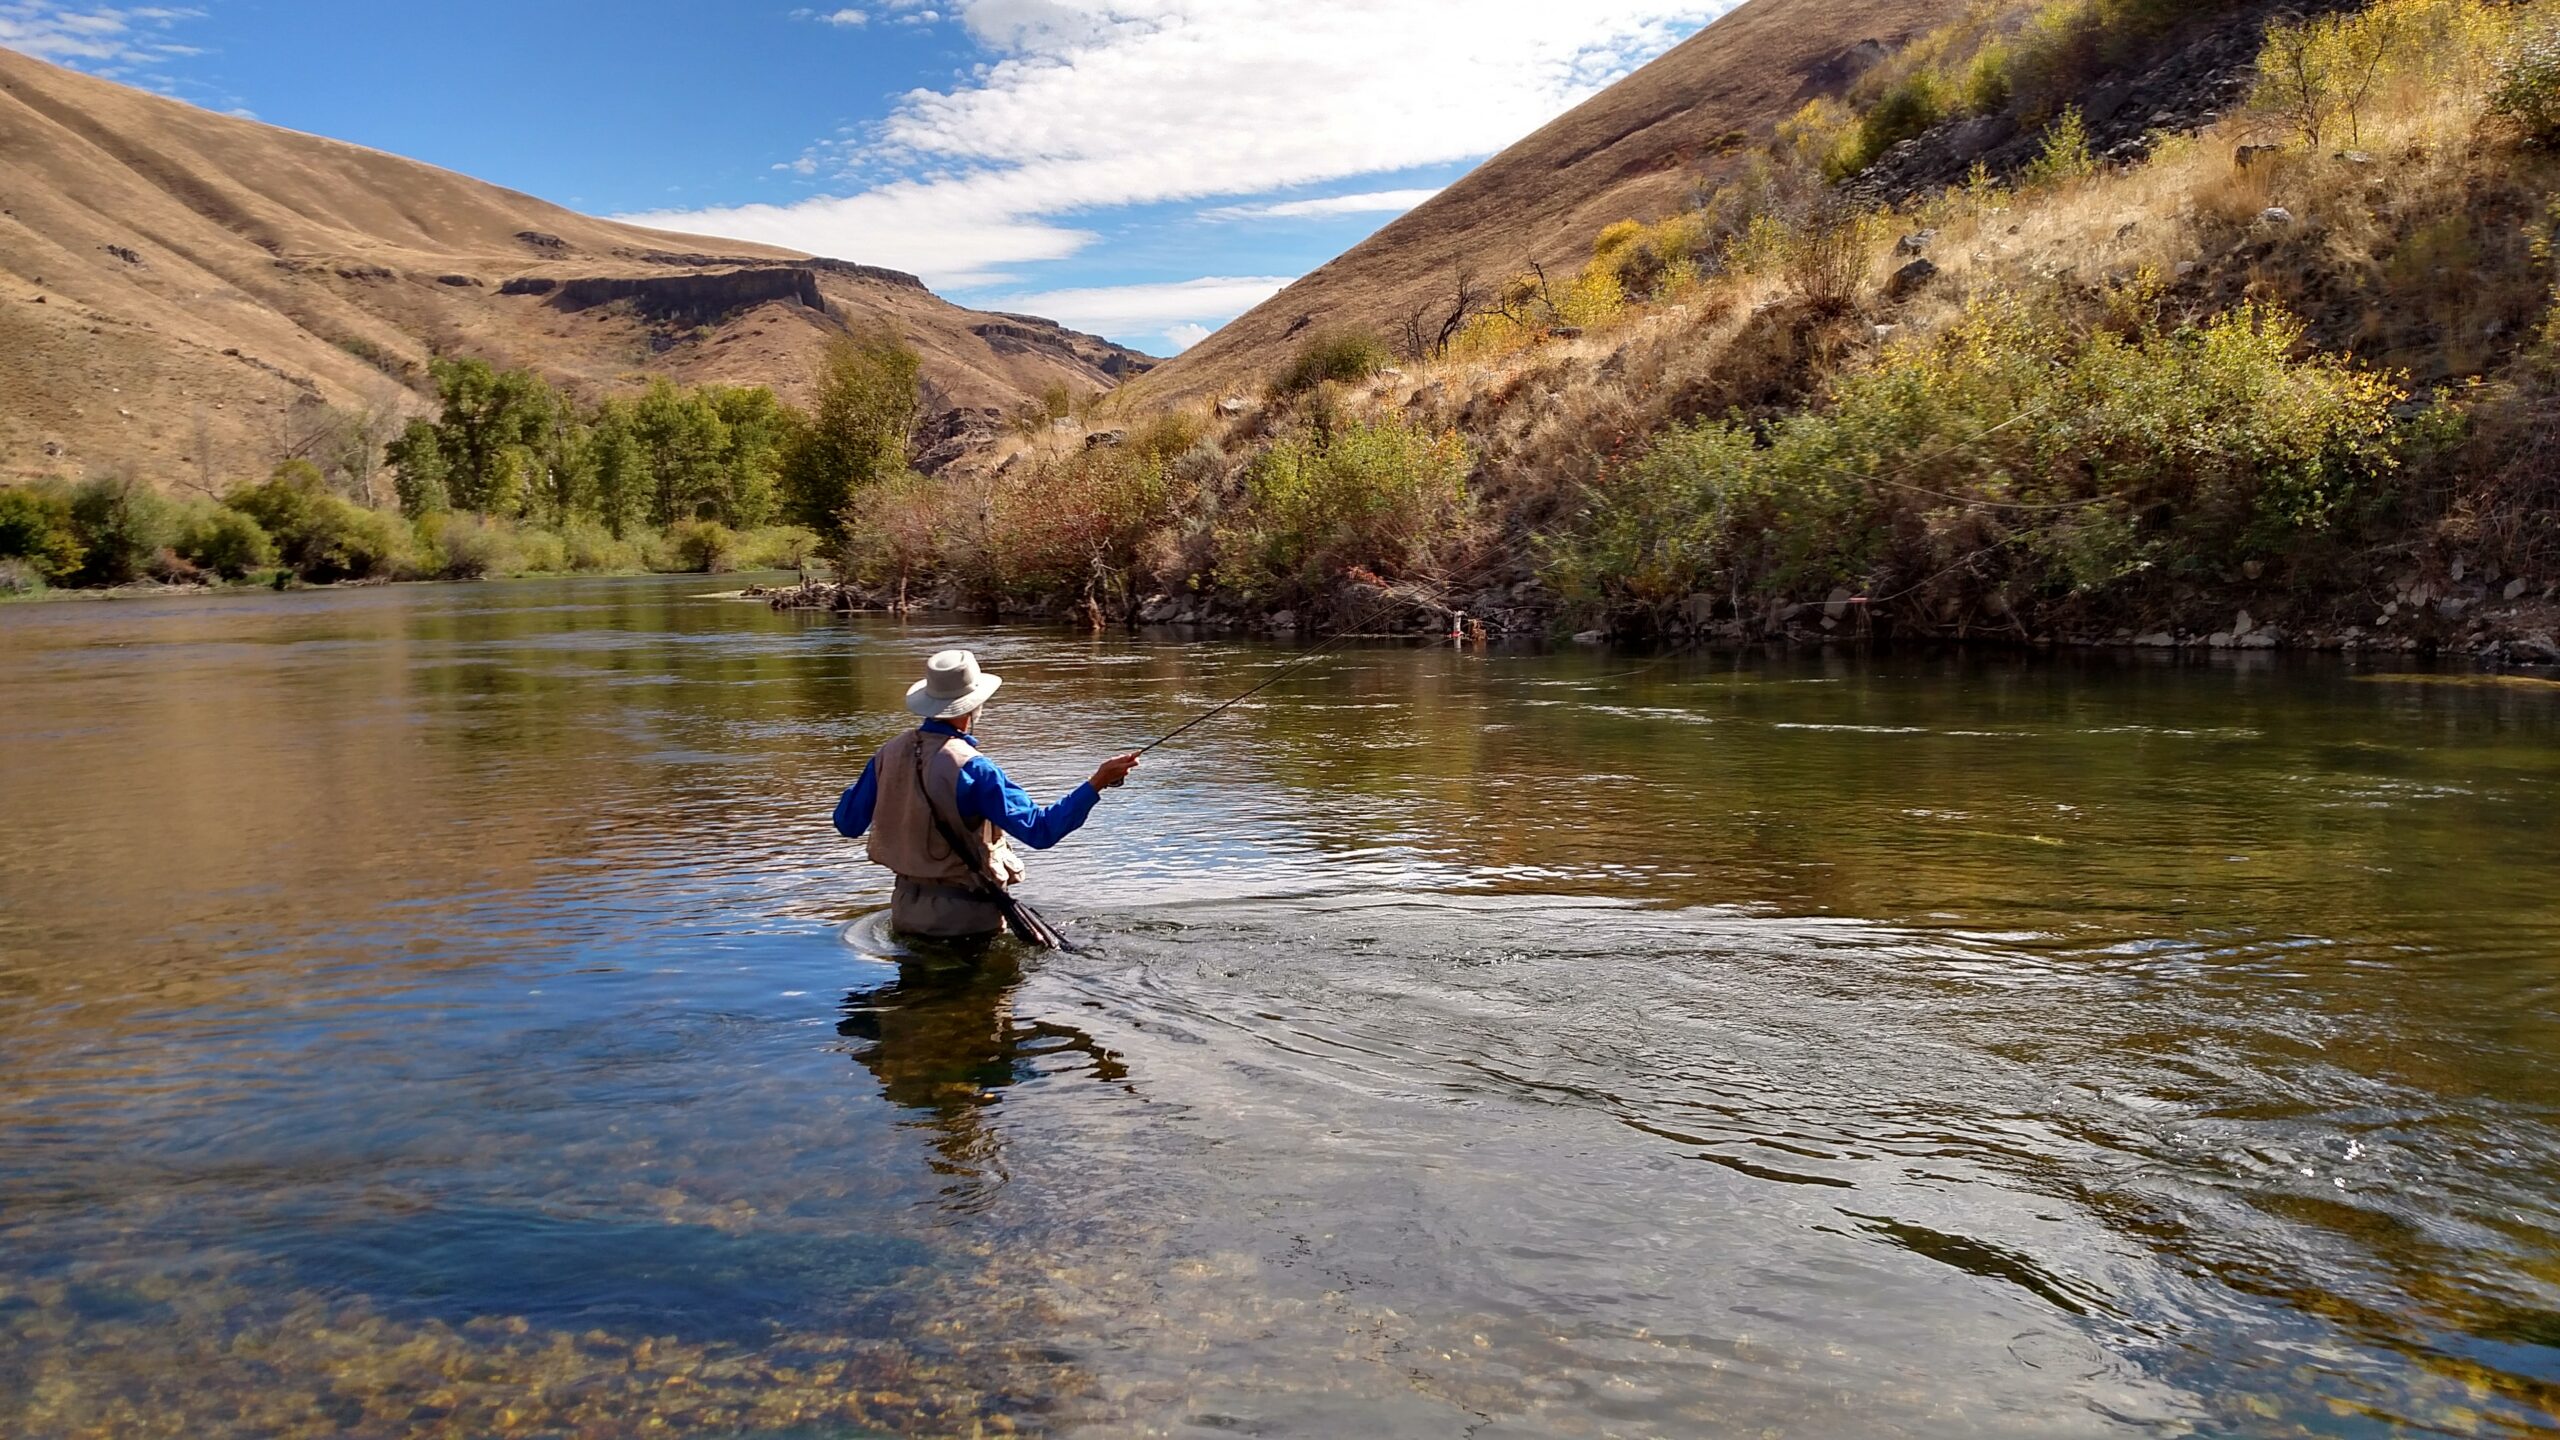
(273, 272)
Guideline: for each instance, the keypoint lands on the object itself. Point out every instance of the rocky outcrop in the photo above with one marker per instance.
(948, 436)
(2207, 74)
(878, 274)
(1010, 334)
(699, 299)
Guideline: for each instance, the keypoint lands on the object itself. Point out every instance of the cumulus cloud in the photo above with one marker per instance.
(833, 17)
(1155, 308)
(1179, 338)
(952, 235)
(1327, 207)
(103, 39)
(1087, 105)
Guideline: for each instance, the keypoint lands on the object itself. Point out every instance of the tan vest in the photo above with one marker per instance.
(903, 835)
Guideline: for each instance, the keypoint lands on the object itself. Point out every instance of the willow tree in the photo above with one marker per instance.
(859, 431)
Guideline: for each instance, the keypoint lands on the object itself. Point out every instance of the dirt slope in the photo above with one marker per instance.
(180, 290)
(1637, 149)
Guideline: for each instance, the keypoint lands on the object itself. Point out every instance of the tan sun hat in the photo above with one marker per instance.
(952, 686)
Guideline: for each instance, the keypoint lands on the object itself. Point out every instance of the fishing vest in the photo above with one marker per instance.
(903, 835)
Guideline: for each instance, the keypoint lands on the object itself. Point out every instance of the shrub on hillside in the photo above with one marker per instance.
(1379, 495)
(1083, 528)
(2527, 92)
(2064, 156)
(1339, 355)
(1827, 255)
(2018, 457)
(1909, 108)
(1652, 261)
(36, 528)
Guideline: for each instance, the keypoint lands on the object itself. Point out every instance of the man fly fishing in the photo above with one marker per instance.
(939, 814)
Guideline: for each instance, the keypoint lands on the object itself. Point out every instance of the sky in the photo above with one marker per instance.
(1143, 169)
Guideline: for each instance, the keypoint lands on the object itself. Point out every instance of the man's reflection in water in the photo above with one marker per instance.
(943, 1041)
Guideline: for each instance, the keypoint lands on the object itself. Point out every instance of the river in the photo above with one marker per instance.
(440, 1011)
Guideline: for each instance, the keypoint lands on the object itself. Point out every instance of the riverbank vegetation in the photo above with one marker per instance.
(510, 476)
(2296, 352)
(2298, 358)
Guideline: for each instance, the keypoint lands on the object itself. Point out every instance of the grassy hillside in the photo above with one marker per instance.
(1642, 147)
(188, 296)
(2277, 369)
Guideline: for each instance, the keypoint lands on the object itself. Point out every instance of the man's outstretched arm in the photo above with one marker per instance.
(987, 794)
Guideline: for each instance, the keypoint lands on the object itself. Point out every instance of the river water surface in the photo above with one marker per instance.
(431, 1011)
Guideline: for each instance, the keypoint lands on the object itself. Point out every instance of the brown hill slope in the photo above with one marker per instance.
(181, 291)
(1635, 150)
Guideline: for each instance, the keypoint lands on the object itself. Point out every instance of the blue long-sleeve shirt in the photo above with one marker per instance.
(985, 795)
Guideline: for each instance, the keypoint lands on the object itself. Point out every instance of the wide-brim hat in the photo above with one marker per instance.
(952, 686)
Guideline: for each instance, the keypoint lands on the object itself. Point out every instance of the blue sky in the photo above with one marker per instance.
(1146, 169)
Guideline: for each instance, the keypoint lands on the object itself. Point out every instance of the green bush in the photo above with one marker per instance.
(1919, 101)
(776, 547)
(1382, 496)
(2064, 156)
(346, 541)
(36, 527)
(1987, 86)
(541, 552)
(2528, 89)
(322, 537)
(19, 578)
(704, 547)
(590, 548)
(123, 526)
(1342, 355)
(461, 546)
(224, 541)
(2019, 455)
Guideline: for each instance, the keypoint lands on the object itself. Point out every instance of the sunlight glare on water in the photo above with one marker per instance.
(447, 1011)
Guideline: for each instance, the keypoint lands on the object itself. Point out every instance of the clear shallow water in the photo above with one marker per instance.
(427, 1011)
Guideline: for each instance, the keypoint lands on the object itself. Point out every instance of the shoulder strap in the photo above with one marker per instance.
(971, 855)
(1021, 919)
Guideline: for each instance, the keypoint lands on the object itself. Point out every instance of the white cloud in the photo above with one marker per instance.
(1159, 308)
(108, 39)
(833, 17)
(1179, 338)
(1328, 207)
(1093, 104)
(951, 235)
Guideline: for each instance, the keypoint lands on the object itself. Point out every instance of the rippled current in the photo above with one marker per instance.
(446, 1011)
